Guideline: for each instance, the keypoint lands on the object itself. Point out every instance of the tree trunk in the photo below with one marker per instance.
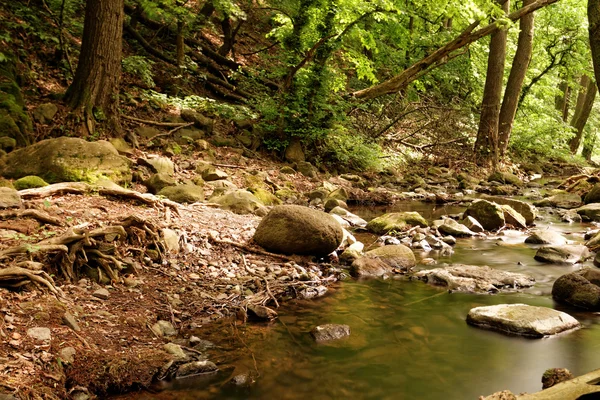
(594, 27)
(180, 46)
(585, 101)
(515, 79)
(563, 100)
(588, 144)
(95, 86)
(486, 145)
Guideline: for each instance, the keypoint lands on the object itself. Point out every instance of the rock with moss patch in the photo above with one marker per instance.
(213, 174)
(183, 193)
(383, 261)
(67, 159)
(560, 200)
(294, 152)
(562, 255)
(157, 182)
(7, 144)
(159, 165)
(265, 197)
(590, 212)
(528, 211)
(546, 237)
(306, 169)
(198, 119)
(44, 113)
(291, 229)
(287, 170)
(29, 182)
(396, 222)
(239, 201)
(489, 215)
(512, 217)
(454, 228)
(505, 177)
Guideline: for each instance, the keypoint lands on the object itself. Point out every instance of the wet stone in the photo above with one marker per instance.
(329, 332)
(196, 368)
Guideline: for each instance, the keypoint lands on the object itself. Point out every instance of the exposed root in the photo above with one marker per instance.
(15, 277)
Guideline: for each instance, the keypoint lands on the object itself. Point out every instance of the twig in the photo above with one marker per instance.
(271, 294)
(251, 250)
(228, 166)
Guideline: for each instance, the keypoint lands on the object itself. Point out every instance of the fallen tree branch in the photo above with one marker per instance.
(170, 132)
(157, 123)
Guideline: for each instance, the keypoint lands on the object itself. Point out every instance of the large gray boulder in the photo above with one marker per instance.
(489, 215)
(67, 159)
(590, 212)
(396, 222)
(383, 261)
(528, 211)
(475, 279)
(579, 289)
(522, 320)
(291, 229)
(560, 200)
(562, 255)
(546, 237)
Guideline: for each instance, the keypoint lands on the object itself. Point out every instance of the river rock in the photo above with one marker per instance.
(306, 169)
(159, 165)
(593, 196)
(261, 312)
(67, 159)
(472, 224)
(560, 200)
(512, 217)
(554, 376)
(579, 289)
(475, 279)
(213, 174)
(489, 215)
(312, 292)
(330, 204)
(546, 237)
(352, 253)
(502, 395)
(239, 201)
(44, 113)
(453, 228)
(564, 255)
(352, 219)
(522, 320)
(164, 328)
(183, 193)
(196, 368)
(9, 198)
(396, 222)
(590, 212)
(291, 229)
(329, 332)
(505, 177)
(382, 261)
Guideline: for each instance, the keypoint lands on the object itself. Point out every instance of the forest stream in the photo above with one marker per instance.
(408, 340)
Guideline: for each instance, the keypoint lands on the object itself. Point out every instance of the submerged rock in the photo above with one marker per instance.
(475, 279)
(489, 215)
(329, 332)
(291, 229)
(396, 222)
(522, 320)
(579, 289)
(564, 255)
(382, 261)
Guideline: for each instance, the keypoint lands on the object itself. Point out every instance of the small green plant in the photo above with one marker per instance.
(140, 67)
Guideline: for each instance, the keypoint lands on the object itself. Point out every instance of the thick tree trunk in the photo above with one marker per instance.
(515, 79)
(585, 101)
(96, 82)
(594, 27)
(588, 145)
(442, 55)
(486, 145)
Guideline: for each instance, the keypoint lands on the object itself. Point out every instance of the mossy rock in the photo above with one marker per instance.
(266, 197)
(183, 193)
(505, 177)
(489, 215)
(396, 221)
(29, 182)
(67, 159)
(6, 183)
(579, 289)
(239, 201)
(382, 261)
(14, 121)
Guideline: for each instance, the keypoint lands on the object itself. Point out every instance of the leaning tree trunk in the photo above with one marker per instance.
(585, 101)
(515, 79)
(486, 145)
(95, 86)
(594, 27)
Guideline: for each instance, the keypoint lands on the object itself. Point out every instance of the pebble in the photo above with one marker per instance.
(70, 321)
(40, 334)
(101, 294)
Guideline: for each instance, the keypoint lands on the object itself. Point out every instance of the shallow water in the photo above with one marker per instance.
(409, 340)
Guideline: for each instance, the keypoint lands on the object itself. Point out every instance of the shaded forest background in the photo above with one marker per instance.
(348, 85)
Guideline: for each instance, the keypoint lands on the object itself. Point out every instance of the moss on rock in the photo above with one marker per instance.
(29, 182)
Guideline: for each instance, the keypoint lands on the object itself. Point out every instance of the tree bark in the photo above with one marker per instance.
(594, 29)
(585, 101)
(562, 101)
(96, 82)
(486, 145)
(515, 79)
(441, 55)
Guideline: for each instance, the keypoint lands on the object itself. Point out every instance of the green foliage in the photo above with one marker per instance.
(140, 67)
(347, 150)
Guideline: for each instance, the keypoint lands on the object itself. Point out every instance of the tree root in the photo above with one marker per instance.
(15, 277)
(41, 216)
